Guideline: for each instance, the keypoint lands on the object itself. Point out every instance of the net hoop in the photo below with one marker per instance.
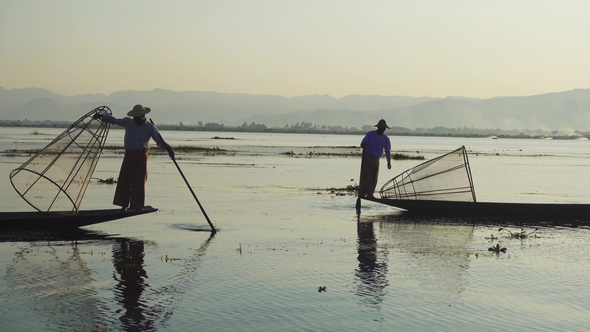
(57, 176)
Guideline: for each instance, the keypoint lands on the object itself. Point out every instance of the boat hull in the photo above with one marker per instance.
(64, 220)
(540, 211)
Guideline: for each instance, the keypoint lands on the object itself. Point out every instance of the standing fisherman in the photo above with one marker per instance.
(130, 192)
(373, 145)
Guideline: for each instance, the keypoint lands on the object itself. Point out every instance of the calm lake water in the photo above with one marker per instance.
(283, 236)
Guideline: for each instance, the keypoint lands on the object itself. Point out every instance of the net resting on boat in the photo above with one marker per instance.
(56, 177)
(446, 178)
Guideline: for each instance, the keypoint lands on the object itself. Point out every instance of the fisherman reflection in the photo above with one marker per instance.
(129, 264)
(372, 270)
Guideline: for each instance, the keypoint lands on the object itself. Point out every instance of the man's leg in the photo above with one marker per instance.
(138, 181)
(364, 180)
(123, 191)
(374, 178)
(368, 182)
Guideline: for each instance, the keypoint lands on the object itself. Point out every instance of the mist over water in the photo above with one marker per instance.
(284, 235)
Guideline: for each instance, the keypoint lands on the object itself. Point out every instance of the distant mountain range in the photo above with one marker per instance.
(568, 110)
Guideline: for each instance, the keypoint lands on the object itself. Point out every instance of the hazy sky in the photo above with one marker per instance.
(434, 48)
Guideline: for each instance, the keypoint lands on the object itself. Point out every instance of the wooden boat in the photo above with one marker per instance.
(579, 213)
(443, 187)
(64, 220)
(55, 179)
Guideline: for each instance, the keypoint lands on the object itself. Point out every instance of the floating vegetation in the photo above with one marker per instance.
(10, 153)
(351, 189)
(179, 148)
(189, 148)
(354, 187)
(120, 149)
(401, 156)
(288, 153)
(336, 192)
(311, 154)
(169, 259)
(110, 180)
(520, 235)
(497, 249)
(192, 149)
(113, 147)
(492, 237)
(30, 152)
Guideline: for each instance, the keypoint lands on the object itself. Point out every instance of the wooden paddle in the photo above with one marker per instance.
(358, 200)
(213, 230)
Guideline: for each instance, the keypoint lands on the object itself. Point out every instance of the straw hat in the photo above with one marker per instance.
(381, 124)
(138, 110)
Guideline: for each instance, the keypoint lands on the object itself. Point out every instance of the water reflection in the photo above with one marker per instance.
(438, 251)
(560, 217)
(146, 306)
(129, 266)
(49, 279)
(372, 268)
(427, 253)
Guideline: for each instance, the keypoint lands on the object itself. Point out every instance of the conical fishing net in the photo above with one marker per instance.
(447, 177)
(56, 178)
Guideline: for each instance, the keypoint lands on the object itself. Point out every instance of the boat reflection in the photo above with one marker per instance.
(50, 279)
(49, 283)
(46, 235)
(515, 219)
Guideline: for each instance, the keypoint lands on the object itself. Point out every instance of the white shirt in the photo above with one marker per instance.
(137, 137)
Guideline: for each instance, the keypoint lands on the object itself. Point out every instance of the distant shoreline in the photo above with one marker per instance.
(308, 128)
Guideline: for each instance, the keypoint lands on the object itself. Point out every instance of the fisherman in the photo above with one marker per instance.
(373, 145)
(130, 192)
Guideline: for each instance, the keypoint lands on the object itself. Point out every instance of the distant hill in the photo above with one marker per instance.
(569, 110)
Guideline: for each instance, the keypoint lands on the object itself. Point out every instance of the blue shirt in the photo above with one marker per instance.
(375, 144)
(137, 137)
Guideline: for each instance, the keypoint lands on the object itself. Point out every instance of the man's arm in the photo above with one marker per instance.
(388, 152)
(111, 119)
(161, 143)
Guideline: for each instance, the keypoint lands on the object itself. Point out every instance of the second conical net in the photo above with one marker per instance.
(447, 177)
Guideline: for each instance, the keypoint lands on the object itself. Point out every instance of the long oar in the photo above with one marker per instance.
(213, 230)
(358, 199)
